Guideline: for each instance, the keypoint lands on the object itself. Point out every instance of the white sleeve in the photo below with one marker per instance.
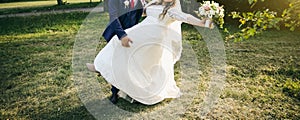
(187, 18)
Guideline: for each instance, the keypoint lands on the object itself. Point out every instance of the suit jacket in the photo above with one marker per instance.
(121, 18)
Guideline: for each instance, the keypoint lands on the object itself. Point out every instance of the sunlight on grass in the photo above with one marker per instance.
(36, 3)
(36, 80)
(257, 71)
(36, 83)
(27, 4)
(42, 6)
(60, 23)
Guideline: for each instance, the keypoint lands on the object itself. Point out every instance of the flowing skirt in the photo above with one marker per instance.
(144, 71)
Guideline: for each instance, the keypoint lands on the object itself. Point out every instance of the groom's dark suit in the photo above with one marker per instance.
(121, 18)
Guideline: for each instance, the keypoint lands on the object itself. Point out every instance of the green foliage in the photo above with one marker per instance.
(255, 22)
(255, 16)
(252, 23)
(292, 16)
(292, 88)
(253, 2)
(255, 5)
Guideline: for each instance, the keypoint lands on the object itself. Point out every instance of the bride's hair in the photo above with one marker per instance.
(168, 5)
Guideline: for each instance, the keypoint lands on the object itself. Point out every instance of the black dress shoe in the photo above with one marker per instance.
(114, 98)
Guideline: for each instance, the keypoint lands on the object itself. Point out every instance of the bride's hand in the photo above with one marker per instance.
(210, 24)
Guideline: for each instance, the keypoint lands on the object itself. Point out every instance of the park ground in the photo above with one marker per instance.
(262, 73)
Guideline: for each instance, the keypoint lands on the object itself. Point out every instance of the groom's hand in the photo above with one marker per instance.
(125, 41)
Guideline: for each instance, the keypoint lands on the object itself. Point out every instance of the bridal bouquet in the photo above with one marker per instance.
(212, 11)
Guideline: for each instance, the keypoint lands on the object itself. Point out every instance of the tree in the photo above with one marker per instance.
(59, 2)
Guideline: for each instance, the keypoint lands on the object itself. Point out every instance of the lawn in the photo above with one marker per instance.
(39, 6)
(38, 3)
(262, 74)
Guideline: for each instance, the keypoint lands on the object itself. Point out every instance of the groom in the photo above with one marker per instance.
(123, 14)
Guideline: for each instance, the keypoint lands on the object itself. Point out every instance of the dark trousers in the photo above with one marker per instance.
(114, 90)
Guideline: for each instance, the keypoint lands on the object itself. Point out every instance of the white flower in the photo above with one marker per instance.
(211, 9)
(212, 12)
(201, 9)
(221, 13)
(126, 3)
(210, 16)
(215, 4)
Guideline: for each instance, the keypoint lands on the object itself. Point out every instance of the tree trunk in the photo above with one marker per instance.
(59, 2)
(106, 5)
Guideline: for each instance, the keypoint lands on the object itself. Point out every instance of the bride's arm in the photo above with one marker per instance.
(187, 18)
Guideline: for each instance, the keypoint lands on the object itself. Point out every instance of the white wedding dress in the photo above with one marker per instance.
(145, 71)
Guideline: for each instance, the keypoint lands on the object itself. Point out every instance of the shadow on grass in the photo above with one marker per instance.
(66, 22)
(33, 56)
(291, 81)
(76, 113)
(35, 76)
(137, 107)
(292, 72)
(36, 80)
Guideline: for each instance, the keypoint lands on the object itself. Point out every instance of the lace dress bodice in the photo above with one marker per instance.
(172, 15)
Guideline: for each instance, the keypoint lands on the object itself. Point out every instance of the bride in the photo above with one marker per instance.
(145, 70)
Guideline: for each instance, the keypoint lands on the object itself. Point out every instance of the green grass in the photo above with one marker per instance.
(262, 77)
(37, 3)
(35, 79)
(39, 6)
(36, 59)
(23, 25)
